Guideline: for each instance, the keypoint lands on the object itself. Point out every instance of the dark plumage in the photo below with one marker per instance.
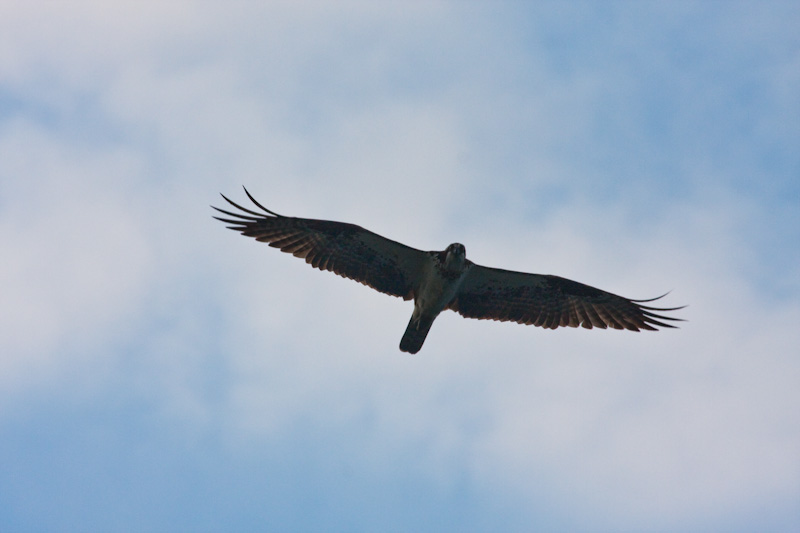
(443, 280)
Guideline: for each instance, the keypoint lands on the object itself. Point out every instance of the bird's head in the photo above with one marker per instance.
(455, 257)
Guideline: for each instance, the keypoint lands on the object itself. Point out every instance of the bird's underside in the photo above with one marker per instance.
(443, 280)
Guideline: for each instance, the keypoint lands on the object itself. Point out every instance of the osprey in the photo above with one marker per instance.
(442, 280)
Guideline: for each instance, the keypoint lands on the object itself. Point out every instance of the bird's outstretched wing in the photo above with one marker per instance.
(550, 302)
(345, 249)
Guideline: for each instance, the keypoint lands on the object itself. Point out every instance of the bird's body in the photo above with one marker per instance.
(443, 280)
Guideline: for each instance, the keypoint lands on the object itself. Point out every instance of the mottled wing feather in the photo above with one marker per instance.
(345, 249)
(550, 302)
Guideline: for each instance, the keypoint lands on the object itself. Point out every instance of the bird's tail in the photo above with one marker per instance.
(415, 334)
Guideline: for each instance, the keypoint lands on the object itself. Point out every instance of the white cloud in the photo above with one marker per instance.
(76, 258)
(428, 126)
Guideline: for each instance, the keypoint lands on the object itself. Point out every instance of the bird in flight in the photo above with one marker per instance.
(443, 280)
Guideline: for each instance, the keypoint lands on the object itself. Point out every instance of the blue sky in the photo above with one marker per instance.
(161, 373)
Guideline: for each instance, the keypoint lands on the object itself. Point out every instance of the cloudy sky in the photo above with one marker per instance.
(161, 373)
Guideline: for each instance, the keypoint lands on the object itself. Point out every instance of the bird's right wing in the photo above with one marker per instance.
(344, 249)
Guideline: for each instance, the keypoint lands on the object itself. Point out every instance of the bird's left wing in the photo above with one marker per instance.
(550, 301)
(345, 249)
